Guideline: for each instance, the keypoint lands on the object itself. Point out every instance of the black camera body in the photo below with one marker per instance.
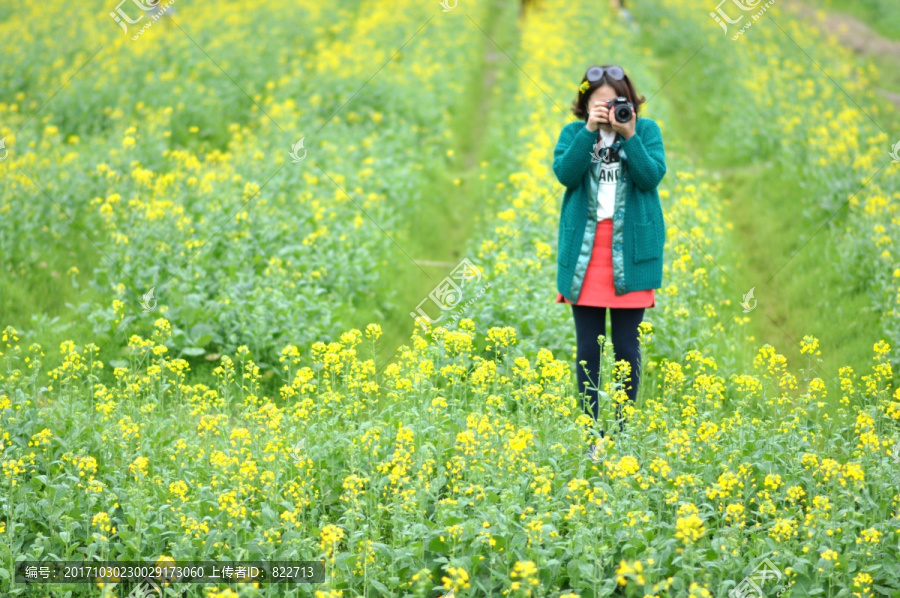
(622, 109)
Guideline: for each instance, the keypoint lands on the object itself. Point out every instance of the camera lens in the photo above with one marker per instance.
(623, 113)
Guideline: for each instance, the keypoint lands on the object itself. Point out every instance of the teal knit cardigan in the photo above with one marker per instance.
(639, 231)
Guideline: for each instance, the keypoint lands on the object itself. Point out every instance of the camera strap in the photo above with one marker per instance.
(617, 142)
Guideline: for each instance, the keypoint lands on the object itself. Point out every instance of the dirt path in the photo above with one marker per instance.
(456, 192)
(856, 35)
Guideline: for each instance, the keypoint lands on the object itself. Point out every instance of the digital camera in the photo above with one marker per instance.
(622, 108)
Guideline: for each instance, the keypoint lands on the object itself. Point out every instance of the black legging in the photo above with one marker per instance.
(590, 322)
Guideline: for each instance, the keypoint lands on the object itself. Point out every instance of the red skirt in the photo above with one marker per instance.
(598, 289)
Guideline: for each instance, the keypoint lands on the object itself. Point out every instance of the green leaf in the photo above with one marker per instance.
(379, 586)
(584, 568)
(438, 545)
(574, 572)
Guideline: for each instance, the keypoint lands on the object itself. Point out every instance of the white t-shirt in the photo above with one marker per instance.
(608, 179)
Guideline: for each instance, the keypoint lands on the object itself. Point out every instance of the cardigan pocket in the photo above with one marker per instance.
(565, 245)
(645, 242)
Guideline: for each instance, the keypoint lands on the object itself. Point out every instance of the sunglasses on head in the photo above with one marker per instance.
(595, 73)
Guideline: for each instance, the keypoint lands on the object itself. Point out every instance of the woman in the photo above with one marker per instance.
(611, 229)
(620, 6)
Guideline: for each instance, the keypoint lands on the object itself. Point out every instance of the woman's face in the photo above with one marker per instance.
(604, 93)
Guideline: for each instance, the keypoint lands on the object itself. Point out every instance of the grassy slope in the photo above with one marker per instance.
(811, 298)
(439, 228)
(885, 24)
(45, 291)
(876, 15)
(765, 202)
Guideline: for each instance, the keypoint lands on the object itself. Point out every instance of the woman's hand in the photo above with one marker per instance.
(626, 130)
(597, 115)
